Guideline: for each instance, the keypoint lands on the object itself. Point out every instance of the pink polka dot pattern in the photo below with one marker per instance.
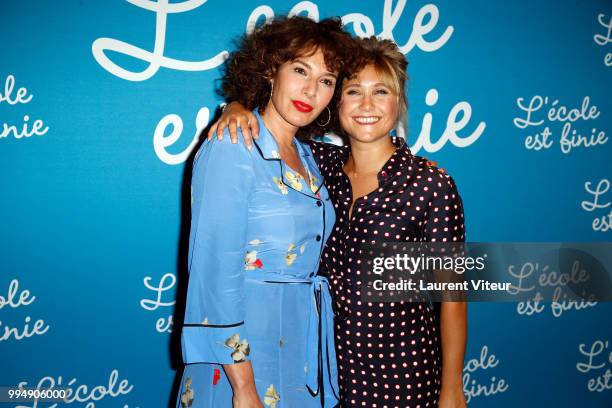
(389, 352)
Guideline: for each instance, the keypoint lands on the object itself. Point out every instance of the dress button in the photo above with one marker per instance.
(319, 203)
(318, 237)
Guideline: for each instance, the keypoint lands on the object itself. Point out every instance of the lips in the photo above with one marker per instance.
(366, 120)
(302, 106)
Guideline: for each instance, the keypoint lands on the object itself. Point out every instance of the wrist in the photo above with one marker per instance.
(244, 387)
(452, 381)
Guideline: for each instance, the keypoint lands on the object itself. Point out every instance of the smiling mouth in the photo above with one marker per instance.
(366, 120)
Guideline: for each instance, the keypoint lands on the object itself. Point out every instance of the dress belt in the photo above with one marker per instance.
(320, 349)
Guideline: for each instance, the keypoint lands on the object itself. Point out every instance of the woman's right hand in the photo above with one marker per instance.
(236, 116)
(247, 399)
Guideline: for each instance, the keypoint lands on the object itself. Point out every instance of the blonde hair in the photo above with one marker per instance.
(389, 63)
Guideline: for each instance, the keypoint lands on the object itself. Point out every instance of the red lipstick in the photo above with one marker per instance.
(302, 106)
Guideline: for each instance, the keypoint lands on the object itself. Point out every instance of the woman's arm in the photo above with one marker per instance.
(447, 205)
(214, 330)
(453, 332)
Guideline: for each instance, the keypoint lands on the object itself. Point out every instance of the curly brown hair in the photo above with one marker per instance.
(256, 60)
(389, 63)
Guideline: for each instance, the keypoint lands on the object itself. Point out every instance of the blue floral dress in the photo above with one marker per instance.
(257, 232)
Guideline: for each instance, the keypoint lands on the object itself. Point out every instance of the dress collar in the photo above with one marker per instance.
(268, 148)
(401, 159)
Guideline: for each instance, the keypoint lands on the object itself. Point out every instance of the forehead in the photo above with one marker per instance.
(369, 75)
(315, 58)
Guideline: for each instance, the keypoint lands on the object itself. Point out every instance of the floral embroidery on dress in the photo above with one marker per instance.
(302, 248)
(241, 348)
(275, 154)
(205, 322)
(294, 180)
(313, 182)
(290, 256)
(187, 396)
(216, 376)
(251, 262)
(280, 185)
(271, 398)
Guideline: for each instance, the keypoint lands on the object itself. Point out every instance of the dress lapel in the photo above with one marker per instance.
(268, 148)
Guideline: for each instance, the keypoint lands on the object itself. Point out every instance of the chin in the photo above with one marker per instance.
(294, 119)
(302, 120)
(366, 137)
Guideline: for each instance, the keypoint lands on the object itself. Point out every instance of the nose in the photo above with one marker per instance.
(310, 87)
(366, 102)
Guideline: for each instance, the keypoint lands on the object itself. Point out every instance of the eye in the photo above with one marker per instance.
(352, 92)
(328, 82)
(381, 91)
(300, 70)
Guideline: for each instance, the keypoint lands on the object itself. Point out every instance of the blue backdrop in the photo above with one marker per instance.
(103, 101)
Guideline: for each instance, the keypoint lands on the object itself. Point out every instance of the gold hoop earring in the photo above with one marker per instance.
(328, 118)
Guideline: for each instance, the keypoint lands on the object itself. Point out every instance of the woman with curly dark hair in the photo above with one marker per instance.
(258, 321)
(390, 354)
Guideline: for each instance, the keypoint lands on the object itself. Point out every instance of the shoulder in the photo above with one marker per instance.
(435, 177)
(324, 150)
(325, 144)
(224, 150)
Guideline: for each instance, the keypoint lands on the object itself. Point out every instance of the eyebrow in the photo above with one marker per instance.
(307, 65)
(376, 84)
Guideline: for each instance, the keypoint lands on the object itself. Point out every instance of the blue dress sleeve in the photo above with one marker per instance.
(214, 329)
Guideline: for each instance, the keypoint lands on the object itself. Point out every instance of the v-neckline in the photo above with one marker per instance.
(297, 173)
(307, 178)
(350, 183)
(353, 199)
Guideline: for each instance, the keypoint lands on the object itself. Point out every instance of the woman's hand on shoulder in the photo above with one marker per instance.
(235, 116)
(432, 163)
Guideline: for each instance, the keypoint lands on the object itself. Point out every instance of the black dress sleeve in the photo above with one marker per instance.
(444, 221)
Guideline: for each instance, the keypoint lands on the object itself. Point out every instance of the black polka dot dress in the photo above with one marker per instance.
(388, 353)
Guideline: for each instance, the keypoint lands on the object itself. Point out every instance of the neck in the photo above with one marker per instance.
(282, 131)
(370, 156)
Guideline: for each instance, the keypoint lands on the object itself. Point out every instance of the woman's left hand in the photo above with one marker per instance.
(452, 397)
